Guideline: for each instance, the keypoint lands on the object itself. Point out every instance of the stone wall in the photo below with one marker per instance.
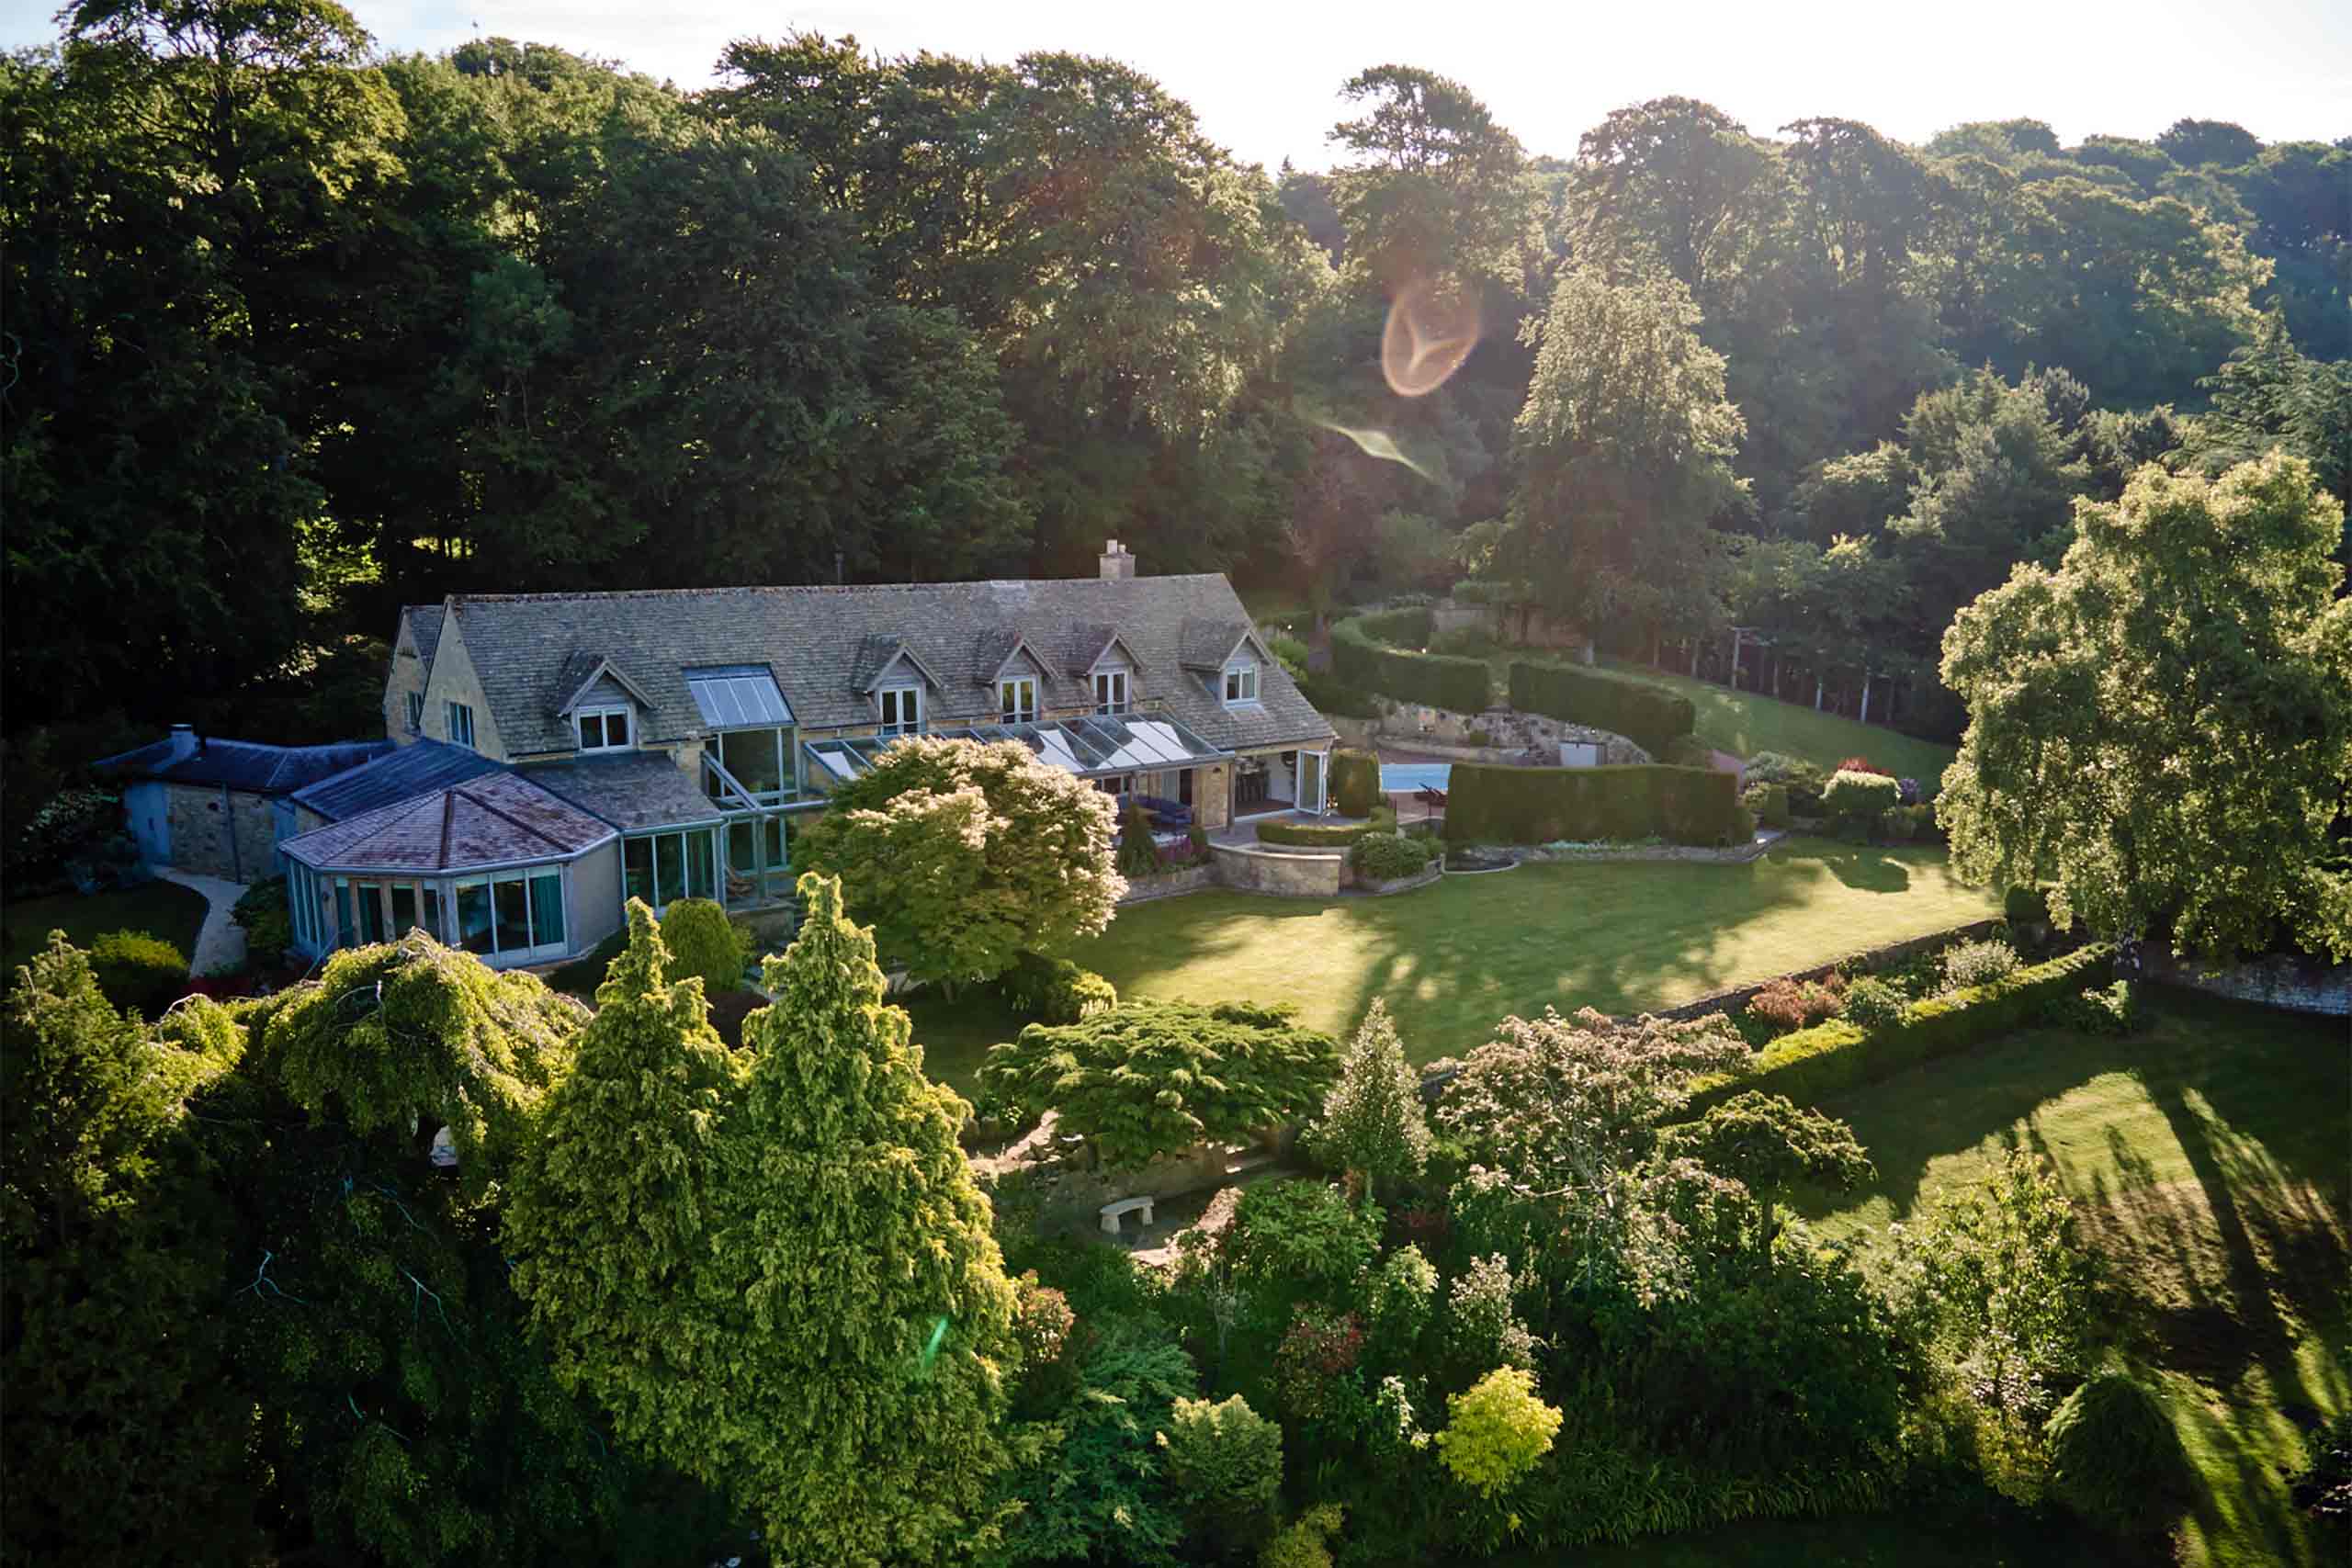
(456, 680)
(1167, 885)
(1512, 736)
(2286, 981)
(407, 675)
(1291, 875)
(230, 833)
(1733, 998)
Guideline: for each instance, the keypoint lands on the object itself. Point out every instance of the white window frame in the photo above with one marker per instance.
(1114, 692)
(1016, 699)
(909, 706)
(604, 716)
(459, 719)
(1241, 683)
(417, 713)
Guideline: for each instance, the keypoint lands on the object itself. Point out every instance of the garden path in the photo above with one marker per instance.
(220, 946)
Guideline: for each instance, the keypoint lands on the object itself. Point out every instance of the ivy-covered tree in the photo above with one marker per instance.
(851, 1262)
(963, 856)
(125, 1441)
(2163, 726)
(1373, 1125)
(1148, 1078)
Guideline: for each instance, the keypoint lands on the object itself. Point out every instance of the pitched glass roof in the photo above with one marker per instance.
(1091, 748)
(734, 695)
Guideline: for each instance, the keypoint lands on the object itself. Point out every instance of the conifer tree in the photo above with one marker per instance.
(1373, 1124)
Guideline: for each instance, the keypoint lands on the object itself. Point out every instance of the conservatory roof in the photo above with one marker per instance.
(497, 819)
(1098, 747)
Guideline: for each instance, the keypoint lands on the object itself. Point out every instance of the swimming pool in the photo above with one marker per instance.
(1407, 777)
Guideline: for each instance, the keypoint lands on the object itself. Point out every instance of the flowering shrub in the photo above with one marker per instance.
(1042, 1321)
(1497, 1432)
(1862, 765)
(1906, 792)
(1481, 1328)
(1871, 1003)
(1978, 964)
(1319, 1350)
(1788, 1004)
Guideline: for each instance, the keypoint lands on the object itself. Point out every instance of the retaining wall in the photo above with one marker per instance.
(1169, 883)
(2282, 980)
(1293, 875)
(1732, 998)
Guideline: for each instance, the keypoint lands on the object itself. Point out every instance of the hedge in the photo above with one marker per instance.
(139, 970)
(1363, 654)
(1355, 782)
(1815, 1063)
(1325, 835)
(1650, 716)
(1390, 857)
(1490, 803)
(1056, 991)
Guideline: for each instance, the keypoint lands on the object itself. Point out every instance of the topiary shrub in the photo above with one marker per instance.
(1355, 782)
(2115, 1456)
(139, 970)
(268, 922)
(1969, 963)
(1859, 797)
(1139, 855)
(703, 942)
(1389, 857)
(1225, 1464)
(1871, 1003)
(1497, 1432)
(1326, 835)
(1055, 990)
(1649, 716)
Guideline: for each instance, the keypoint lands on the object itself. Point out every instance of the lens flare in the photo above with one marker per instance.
(1431, 331)
(1373, 444)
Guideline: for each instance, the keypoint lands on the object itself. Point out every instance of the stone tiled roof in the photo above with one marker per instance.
(647, 790)
(826, 644)
(424, 630)
(495, 820)
(1205, 644)
(399, 775)
(249, 766)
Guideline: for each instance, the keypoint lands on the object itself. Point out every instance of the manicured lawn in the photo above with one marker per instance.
(1744, 723)
(164, 909)
(1452, 959)
(2209, 1158)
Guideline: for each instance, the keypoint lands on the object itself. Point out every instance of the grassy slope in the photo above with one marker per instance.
(2208, 1156)
(1452, 959)
(164, 909)
(1744, 723)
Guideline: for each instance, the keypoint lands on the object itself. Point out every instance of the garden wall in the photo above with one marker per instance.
(2287, 981)
(1168, 884)
(1733, 998)
(1295, 875)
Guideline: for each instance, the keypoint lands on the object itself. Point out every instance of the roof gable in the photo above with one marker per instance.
(579, 677)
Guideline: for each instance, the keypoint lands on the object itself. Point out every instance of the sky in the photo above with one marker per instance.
(1263, 77)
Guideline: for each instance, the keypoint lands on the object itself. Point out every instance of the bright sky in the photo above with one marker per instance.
(1264, 75)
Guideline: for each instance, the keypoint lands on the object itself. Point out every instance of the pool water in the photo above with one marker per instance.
(1407, 777)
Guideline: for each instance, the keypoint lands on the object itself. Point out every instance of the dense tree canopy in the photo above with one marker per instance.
(2164, 723)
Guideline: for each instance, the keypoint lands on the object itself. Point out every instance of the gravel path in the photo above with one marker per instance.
(220, 946)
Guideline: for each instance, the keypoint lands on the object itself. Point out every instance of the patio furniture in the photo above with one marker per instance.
(1433, 798)
(1113, 1213)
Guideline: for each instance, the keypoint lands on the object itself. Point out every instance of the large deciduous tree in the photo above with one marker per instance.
(1623, 448)
(1433, 192)
(963, 856)
(2164, 723)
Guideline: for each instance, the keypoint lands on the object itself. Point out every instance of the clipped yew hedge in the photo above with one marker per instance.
(1490, 803)
(1326, 835)
(1650, 716)
(1355, 782)
(1812, 1064)
(1374, 652)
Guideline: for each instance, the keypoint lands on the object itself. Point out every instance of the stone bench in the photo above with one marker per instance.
(1114, 1213)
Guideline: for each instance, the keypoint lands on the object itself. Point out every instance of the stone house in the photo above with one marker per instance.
(694, 723)
(220, 808)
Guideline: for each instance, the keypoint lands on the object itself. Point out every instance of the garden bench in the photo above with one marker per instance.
(1112, 1213)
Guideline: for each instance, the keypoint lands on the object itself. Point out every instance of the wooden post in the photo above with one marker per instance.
(1817, 694)
(1866, 696)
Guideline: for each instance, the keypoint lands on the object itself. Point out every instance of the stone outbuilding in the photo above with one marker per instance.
(220, 808)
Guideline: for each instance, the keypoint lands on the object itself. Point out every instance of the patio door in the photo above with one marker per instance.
(1312, 765)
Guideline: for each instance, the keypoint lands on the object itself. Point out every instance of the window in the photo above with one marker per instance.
(460, 720)
(415, 713)
(663, 868)
(1017, 699)
(901, 710)
(514, 913)
(604, 729)
(1240, 684)
(1110, 691)
(1122, 784)
(758, 760)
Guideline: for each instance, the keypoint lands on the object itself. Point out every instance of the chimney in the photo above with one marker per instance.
(183, 742)
(1117, 563)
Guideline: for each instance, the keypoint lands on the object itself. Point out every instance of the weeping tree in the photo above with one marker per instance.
(1766, 1142)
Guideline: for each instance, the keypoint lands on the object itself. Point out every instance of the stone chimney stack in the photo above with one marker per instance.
(1117, 562)
(183, 742)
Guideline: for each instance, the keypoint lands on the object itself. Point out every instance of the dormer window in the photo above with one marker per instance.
(901, 708)
(1241, 683)
(1111, 692)
(1017, 699)
(605, 729)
